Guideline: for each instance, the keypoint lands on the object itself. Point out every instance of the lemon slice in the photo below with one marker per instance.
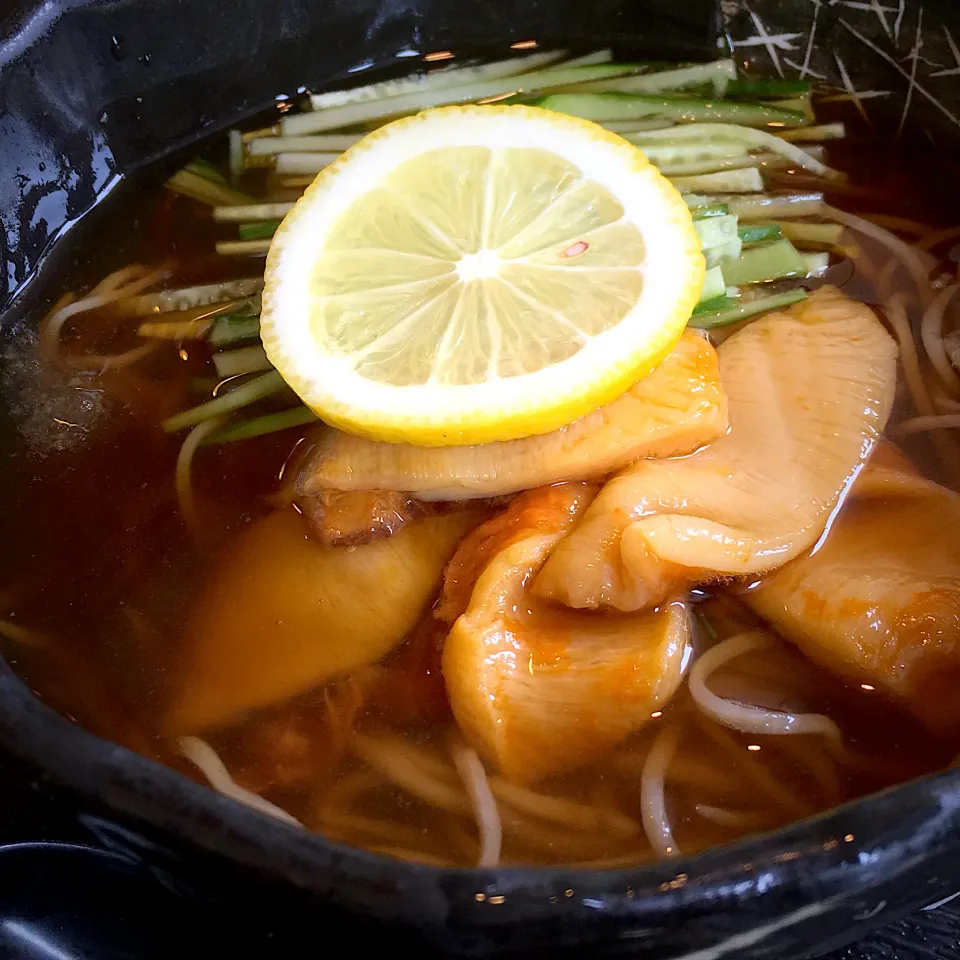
(480, 273)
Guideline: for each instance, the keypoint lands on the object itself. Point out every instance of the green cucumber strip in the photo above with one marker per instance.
(824, 131)
(242, 248)
(758, 232)
(800, 104)
(748, 88)
(627, 127)
(714, 285)
(717, 256)
(234, 363)
(237, 160)
(298, 164)
(754, 139)
(352, 114)
(589, 59)
(816, 263)
(259, 426)
(775, 207)
(716, 231)
(608, 107)
(247, 393)
(435, 80)
(234, 328)
(248, 212)
(703, 207)
(207, 170)
(768, 261)
(258, 231)
(697, 168)
(661, 155)
(764, 161)
(746, 309)
(323, 143)
(745, 180)
(191, 184)
(725, 253)
(816, 234)
(714, 306)
(717, 75)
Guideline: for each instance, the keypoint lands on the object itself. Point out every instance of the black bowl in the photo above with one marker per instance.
(93, 91)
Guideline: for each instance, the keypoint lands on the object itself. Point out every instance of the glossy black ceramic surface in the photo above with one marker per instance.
(94, 91)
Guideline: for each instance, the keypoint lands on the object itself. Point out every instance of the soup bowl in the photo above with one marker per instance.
(95, 92)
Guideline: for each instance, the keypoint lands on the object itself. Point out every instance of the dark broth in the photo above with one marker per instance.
(101, 575)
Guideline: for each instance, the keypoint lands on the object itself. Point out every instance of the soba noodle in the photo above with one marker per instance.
(113, 288)
(917, 263)
(401, 763)
(206, 759)
(484, 805)
(922, 424)
(749, 719)
(653, 802)
(931, 331)
(182, 479)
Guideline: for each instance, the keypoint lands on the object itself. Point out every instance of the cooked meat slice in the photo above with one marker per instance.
(809, 391)
(673, 411)
(540, 688)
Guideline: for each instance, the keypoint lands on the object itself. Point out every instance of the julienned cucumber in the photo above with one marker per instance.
(817, 264)
(714, 210)
(233, 329)
(259, 426)
(746, 180)
(437, 80)
(758, 232)
(258, 231)
(800, 104)
(702, 207)
(714, 285)
(767, 261)
(817, 234)
(764, 161)
(739, 133)
(607, 107)
(776, 207)
(745, 309)
(718, 239)
(236, 363)
(717, 256)
(205, 189)
(716, 231)
(717, 75)
(716, 305)
(670, 153)
(354, 114)
(590, 59)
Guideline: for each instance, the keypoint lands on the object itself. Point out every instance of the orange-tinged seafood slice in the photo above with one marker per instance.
(809, 392)
(672, 411)
(539, 688)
